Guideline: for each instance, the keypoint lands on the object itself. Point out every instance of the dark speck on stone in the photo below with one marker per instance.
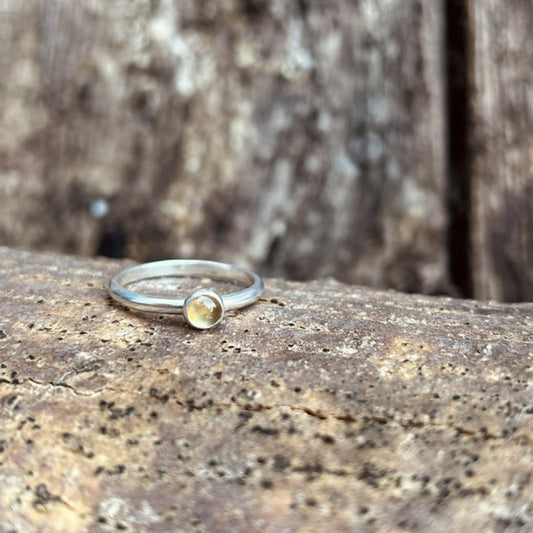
(265, 431)
(281, 463)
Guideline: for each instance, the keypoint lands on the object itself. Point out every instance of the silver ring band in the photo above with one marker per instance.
(205, 302)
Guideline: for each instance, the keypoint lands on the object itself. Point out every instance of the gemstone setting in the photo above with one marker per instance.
(203, 308)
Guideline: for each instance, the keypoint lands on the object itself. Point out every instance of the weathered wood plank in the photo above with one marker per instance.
(502, 143)
(322, 407)
(306, 138)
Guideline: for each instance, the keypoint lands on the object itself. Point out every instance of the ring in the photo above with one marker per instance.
(202, 308)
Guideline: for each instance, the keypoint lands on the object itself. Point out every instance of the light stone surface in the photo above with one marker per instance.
(323, 407)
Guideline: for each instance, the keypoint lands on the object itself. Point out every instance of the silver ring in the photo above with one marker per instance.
(202, 308)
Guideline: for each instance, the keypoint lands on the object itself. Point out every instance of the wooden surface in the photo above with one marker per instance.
(384, 142)
(502, 142)
(322, 407)
(302, 138)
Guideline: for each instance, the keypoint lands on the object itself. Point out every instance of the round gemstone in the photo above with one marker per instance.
(203, 309)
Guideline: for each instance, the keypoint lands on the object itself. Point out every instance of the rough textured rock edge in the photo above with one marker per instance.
(322, 406)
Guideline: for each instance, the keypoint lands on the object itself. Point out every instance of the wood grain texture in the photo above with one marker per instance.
(502, 148)
(303, 138)
(322, 407)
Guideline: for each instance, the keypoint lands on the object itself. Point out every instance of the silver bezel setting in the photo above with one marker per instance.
(207, 293)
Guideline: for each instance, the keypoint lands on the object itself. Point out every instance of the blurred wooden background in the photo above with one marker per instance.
(383, 142)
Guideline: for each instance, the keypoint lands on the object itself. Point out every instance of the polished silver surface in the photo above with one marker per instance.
(188, 268)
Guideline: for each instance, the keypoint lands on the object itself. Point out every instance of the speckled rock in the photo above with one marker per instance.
(322, 407)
